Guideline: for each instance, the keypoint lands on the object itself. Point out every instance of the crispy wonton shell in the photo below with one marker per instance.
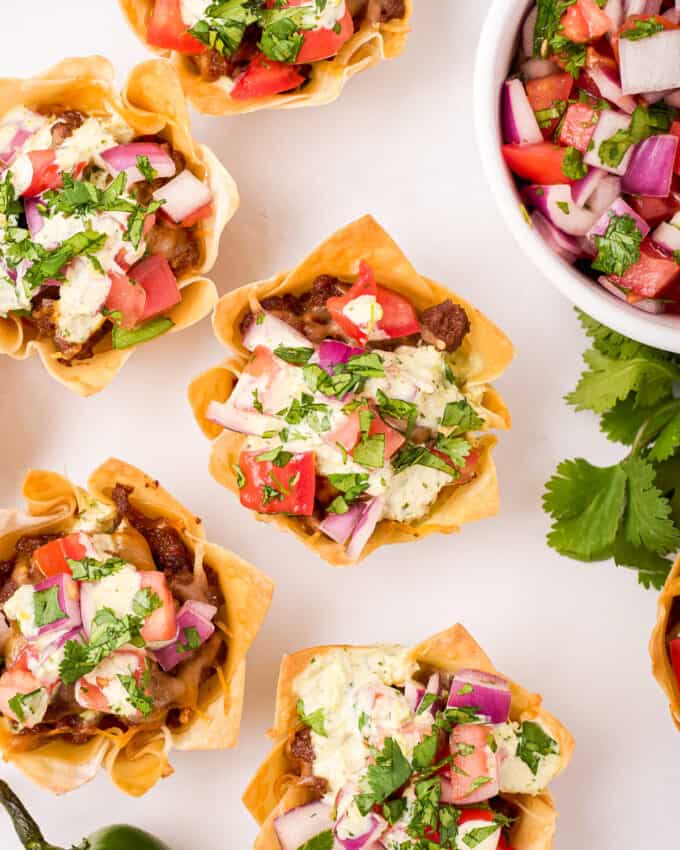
(151, 103)
(274, 790)
(368, 46)
(138, 758)
(483, 356)
(658, 647)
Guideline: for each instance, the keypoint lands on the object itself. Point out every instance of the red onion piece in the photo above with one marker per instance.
(68, 597)
(375, 827)
(124, 158)
(34, 217)
(608, 83)
(297, 826)
(618, 208)
(519, 122)
(183, 195)
(242, 421)
(605, 193)
(270, 331)
(609, 124)
(528, 31)
(558, 206)
(537, 69)
(650, 64)
(332, 352)
(339, 527)
(651, 168)
(188, 617)
(582, 190)
(489, 693)
(614, 11)
(414, 693)
(667, 236)
(370, 516)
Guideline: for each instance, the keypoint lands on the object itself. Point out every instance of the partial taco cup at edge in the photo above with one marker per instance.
(664, 644)
(91, 690)
(319, 691)
(458, 368)
(54, 119)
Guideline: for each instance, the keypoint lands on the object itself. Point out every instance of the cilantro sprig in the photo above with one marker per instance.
(629, 511)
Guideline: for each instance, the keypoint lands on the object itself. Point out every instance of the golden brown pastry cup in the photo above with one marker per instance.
(137, 758)
(658, 643)
(276, 789)
(369, 46)
(484, 355)
(152, 103)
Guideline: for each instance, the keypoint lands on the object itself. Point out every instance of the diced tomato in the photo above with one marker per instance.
(653, 273)
(472, 762)
(196, 216)
(540, 163)
(161, 624)
(432, 835)
(674, 651)
(546, 93)
(51, 558)
(466, 815)
(167, 29)
(46, 173)
(127, 298)
(467, 472)
(585, 21)
(393, 439)
(272, 489)
(578, 126)
(155, 276)
(17, 680)
(398, 319)
(321, 43)
(265, 77)
(91, 694)
(503, 844)
(262, 363)
(654, 210)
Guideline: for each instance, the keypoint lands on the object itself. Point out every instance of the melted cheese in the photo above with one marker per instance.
(117, 592)
(21, 608)
(515, 775)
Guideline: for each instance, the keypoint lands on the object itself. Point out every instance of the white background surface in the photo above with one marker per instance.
(399, 144)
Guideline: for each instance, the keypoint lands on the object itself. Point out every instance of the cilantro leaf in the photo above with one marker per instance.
(316, 720)
(668, 441)
(425, 751)
(223, 25)
(298, 356)
(479, 834)
(652, 568)
(642, 29)
(614, 344)
(586, 503)
(573, 165)
(47, 608)
(323, 841)
(192, 640)
(647, 521)
(534, 744)
(461, 416)
(390, 771)
(136, 695)
(91, 569)
(455, 448)
(619, 248)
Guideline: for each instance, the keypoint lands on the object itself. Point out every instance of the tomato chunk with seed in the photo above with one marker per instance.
(652, 275)
(155, 276)
(46, 173)
(474, 772)
(271, 489)
(167, 29)
(51, 558)
(127, 298)
(585, 21)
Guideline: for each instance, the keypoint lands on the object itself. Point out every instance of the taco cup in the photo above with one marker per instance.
(269, 55)
(457, 750)
(124, 631)
(664, 644)
(351, 436)
(111, 215)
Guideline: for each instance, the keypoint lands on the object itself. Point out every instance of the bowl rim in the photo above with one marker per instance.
(659, 331)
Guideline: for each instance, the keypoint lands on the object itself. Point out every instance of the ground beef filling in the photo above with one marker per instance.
(444, 326)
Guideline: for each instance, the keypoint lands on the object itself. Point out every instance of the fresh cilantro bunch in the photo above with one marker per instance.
(629, 511)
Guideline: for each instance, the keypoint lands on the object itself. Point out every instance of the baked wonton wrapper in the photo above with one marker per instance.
(137, 758)
(484, 355)
(152, 103)
(658, 645)
(368, 46)
(274, 788)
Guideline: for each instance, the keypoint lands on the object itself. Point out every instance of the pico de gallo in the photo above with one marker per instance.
(259, 48)
(591, 124)
(97, 229)
(353, 408)
(109, 626)
(406, 758)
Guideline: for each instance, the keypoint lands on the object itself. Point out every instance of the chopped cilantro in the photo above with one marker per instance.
(192, 640)
(298, 356)
(47, 607)
(534, 744)
(91, 569)
(315, 721)
(619, 248)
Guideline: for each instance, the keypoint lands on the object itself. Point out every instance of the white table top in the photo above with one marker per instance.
(399, 144)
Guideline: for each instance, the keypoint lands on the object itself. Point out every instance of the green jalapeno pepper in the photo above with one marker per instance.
(110, 838)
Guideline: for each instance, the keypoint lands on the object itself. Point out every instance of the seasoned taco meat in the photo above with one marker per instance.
(177, 244)
(445, 325)
(69, 121)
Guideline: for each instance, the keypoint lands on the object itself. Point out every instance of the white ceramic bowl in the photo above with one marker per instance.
(494, 56)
